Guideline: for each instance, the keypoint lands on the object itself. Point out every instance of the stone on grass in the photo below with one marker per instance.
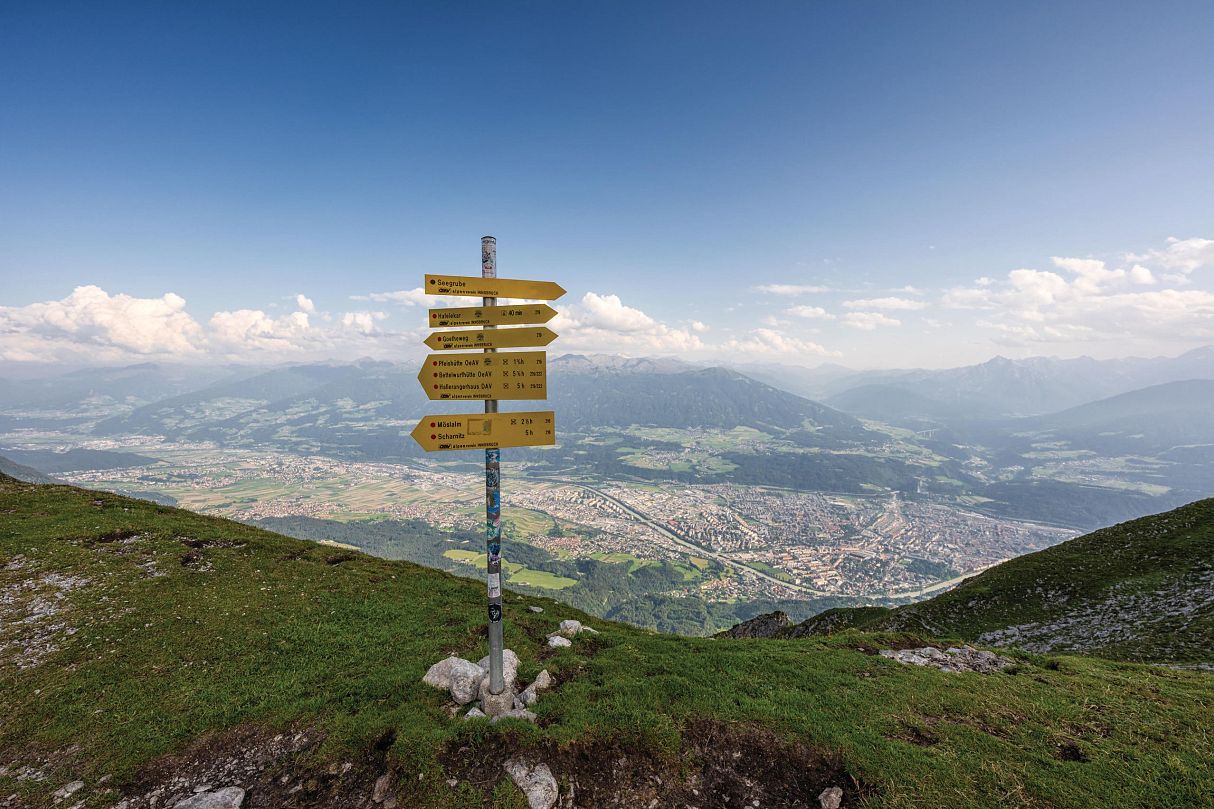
(831, 798)
(536, 609)
(383, 785)
(226, 798)
(495, 704)
(536, 783)
(570, 627)
(474, 713)
(439, 675)
(515, 713)
(557, 641)
(509, 667)
(531, 693)
(69, 789)
(964, 659)
(465, 680)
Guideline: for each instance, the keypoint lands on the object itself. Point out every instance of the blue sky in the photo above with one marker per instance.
(196, 167)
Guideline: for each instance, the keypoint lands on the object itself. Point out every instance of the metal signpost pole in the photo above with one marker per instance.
(493, 506)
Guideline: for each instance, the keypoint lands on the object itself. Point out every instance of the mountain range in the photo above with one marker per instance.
(997, 388)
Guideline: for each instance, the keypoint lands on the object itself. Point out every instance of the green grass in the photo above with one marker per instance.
(279, 634)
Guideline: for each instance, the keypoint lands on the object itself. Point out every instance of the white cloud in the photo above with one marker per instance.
(1092, 273)
(417, 297)
(1098, 302)
(868, 321)
(92, 324)
(885, 303)
(1183, 255)
(810, 312)
(791, 289)
(769, 341)
(1141, 275)
(363, 322)
(604, 323)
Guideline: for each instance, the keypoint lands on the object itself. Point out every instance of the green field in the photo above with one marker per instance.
(515, 573)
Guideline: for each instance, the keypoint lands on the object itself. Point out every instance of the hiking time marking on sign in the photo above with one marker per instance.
(515, 375)
(515, 315)
(486, 430)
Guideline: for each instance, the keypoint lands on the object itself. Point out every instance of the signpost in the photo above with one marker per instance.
(491, 338)
(490, 286)
(517, 375)
(489, 376)
(491, 315)
(477, 431)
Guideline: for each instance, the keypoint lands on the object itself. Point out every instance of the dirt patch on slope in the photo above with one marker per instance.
(277, 770)
(720, 765)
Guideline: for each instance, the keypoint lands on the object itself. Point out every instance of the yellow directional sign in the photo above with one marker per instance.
(512, 375)
(492, 287)
(486, 430)
(515, 315)
(491, 338)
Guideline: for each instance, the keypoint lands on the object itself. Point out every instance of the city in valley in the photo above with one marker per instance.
(773, 543)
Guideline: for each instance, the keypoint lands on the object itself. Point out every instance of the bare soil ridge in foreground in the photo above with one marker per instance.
(200, 653)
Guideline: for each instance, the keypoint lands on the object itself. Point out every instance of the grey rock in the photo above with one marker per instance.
(831, 798)
(516, 713)
(439, 675)
(536, 783)
(465, 680)
(495, 704)
(226, 798)
(536, 609)
(383, 784)
(965, 659)
(474, 713)
(509, 667)
(69, 789)
(543, 681)
(558, 641)
(570, 627)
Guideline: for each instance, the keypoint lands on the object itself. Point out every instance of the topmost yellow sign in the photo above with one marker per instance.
(492, 287)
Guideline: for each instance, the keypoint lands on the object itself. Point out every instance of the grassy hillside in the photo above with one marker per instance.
(1142, 590)
(21, 472)
(146, 650)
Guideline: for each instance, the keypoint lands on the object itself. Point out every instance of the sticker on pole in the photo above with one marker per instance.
(495, 585)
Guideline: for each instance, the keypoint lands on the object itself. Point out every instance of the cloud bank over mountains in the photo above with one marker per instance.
(1159, 296)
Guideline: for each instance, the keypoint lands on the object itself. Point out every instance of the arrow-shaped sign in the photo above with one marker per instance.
(492, 287)
(491, 338)
(486, 431)
(513, 375)
(515, 315)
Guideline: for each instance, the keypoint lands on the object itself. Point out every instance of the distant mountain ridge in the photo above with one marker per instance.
(999, 387)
